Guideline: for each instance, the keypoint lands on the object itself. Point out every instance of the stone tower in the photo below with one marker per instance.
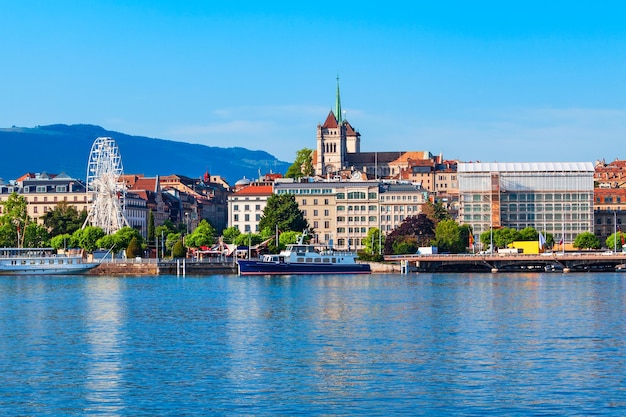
(335, 140)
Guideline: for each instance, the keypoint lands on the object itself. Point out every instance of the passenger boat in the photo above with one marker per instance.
(304, 259)
(41, 261)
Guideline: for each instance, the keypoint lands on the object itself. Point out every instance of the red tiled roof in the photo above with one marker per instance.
(255, 190)
(331, 121)
(144, 184)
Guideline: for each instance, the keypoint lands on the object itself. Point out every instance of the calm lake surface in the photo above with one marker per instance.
(440, 344)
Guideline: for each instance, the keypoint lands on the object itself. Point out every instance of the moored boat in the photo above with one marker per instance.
(304, 259)
(41, 261)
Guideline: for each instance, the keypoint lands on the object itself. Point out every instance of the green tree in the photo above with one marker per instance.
(151, 228)
(528, 234)
(63, 218)
(404, 246)
(587, 240)
(248, 239)
(178, 250)
(124, 235)
(36, 236)
(501, 237)
(203, 235)
(108, 242)
(134, 248)
(14, 220)
(302, 166)
(448, 237)
(87, 238)
(170, 241)
(229, 234)
(61, 241)
(615, 241)
(374, 241)
(283, 211)
(435, 211)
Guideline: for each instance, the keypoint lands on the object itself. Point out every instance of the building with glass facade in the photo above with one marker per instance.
(553, 197)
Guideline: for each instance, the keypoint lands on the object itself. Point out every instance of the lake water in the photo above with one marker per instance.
(440, 344)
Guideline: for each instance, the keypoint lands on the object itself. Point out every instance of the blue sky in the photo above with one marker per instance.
(489, 81)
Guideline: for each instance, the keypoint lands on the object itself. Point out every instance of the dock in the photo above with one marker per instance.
(545, 262)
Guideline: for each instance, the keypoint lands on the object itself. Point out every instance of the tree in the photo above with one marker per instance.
(14, 221)
(373, 241)
(61, 241)
(616, 240)
(435, 211)
(501, 237)
(151, 228)
(36, 236)
(124, 235)
(134, 248)
(283, 211)
(587, 240)
(203, 235)
(64, 218)
(302, 166)
(178, 250)
(229, 234)
(87, 238)
(415, 230)
(448, 237)
(528, 234)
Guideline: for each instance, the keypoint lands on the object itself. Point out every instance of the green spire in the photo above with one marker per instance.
(338, 104)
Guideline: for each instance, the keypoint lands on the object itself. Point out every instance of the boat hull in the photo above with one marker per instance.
(46, 269)
(282, 268)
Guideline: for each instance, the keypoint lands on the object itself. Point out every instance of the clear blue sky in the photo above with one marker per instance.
(489, 81)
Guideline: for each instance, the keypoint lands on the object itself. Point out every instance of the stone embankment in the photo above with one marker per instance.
(125, 268)
(382, 268)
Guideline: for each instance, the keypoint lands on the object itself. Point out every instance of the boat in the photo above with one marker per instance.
(304, 259)
(41, 261)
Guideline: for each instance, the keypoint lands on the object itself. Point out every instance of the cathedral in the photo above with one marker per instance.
(338, 152)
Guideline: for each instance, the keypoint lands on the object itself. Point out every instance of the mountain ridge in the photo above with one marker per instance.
(65, 148)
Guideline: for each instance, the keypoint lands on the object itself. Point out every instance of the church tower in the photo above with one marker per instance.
(335, 139)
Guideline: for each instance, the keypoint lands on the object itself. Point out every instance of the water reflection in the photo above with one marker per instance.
(104, 318)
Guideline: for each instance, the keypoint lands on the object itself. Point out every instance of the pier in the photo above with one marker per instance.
(545, 262)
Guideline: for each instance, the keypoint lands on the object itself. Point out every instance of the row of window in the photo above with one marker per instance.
(246, 217)
(45, 188)
(399, 198)
(246, 207)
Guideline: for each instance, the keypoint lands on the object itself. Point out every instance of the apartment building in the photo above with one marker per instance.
(44, 191)
(246, 205)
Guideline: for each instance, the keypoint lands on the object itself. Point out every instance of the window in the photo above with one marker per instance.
(257, 207)
(315, 224)
(61, 188)
(247, 218)
(35, 209)
(258, 217)
(326, 212)
(236, 217)
(246, 207)
(326, 225)
(325, 201)
(304, 201)
(236, 207)
(341, 196)
(315, 212)
(315, 201)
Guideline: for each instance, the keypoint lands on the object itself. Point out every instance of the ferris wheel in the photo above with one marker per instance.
(104, 186)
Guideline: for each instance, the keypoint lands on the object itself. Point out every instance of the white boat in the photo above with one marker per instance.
(41, 261)
(304, 259)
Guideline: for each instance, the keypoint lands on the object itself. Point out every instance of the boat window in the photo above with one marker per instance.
(309, 260)
(51, 261)
(326, 260)
(310, 248)
(318, 260)
(334, 260)
(300, 260)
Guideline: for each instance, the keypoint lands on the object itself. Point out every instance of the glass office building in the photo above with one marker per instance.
(553, 197)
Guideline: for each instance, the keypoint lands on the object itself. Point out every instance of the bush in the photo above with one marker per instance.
(178, 251)
(134, 249)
